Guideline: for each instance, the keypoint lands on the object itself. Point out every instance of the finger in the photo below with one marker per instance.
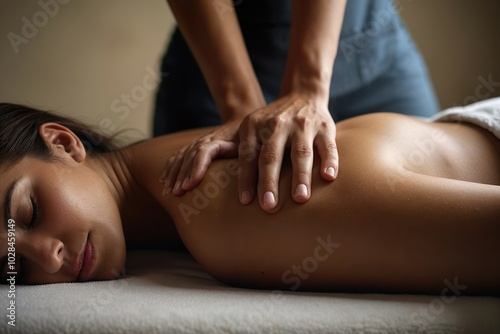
(166, 170)
(164, 173)
(270, 160)
(248, 153)
(175, 165)
(329, 155)
(203, 158)
(302, 163)
(185, 167)
(168, 167)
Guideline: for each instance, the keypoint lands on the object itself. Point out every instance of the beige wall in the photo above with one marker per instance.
(86, 59)
(460, 40)
(91, 54)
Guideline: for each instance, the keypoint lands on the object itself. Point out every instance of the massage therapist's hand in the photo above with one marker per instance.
(299, 119)
(299, 122)
(186, 169)
(295, 121)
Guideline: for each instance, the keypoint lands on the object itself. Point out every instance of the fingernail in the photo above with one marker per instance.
(301, 190)
(177, 185)
(185, 183)
(330, 171)
(269, 199)
(168, 191)
(245, 197)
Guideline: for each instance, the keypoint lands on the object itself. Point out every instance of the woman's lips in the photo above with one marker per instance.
(86, 263)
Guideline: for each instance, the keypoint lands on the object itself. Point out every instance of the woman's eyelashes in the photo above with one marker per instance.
(34, 213)
(21, 263)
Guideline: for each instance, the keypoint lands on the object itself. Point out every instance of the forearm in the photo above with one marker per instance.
(213, 34)
(315, 32)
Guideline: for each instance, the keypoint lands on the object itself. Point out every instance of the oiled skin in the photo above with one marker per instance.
(415, 204)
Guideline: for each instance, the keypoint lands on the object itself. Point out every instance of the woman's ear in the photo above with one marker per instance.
(62, 141)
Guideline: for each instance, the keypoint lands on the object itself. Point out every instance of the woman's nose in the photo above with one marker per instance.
(45, 251)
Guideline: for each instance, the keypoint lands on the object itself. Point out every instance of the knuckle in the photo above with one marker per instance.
(245, 149)
(202, 146)
(303, 150)
(246, 123)
(327, 126)
(269, 183)
(276, 122)
(331, 147)
(250, 120)
(303, 177)
(247, 156)
(265, 134)
(302, 122)
(206, 140)
(269, 157)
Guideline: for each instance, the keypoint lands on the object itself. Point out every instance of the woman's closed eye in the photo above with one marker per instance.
(35, 212)
(20, 262)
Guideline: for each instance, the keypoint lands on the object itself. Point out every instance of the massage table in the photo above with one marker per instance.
(168, 292)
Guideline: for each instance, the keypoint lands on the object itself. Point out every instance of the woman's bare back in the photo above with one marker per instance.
(396, 219)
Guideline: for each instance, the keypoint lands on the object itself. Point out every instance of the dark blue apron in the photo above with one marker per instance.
(377, 68)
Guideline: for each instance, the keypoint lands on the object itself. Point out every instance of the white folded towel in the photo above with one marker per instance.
(485, 114)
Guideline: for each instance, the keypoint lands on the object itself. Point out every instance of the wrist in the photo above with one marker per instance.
(308, 77)
(237, 101)
(310, 87)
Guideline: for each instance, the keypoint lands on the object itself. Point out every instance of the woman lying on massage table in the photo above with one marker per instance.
(415, 204)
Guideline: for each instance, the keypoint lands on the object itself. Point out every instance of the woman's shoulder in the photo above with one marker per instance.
(378, 120)
(442, 149)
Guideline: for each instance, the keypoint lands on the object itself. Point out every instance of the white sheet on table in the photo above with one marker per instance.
(169, 293)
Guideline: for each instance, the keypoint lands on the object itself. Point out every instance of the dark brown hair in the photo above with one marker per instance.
(19, 135)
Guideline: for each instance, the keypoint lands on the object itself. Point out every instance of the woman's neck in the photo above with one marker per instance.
(132, 175)
(145, 223)
(113, 168)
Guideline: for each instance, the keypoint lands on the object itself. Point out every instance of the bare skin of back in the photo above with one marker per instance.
(415, 204)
